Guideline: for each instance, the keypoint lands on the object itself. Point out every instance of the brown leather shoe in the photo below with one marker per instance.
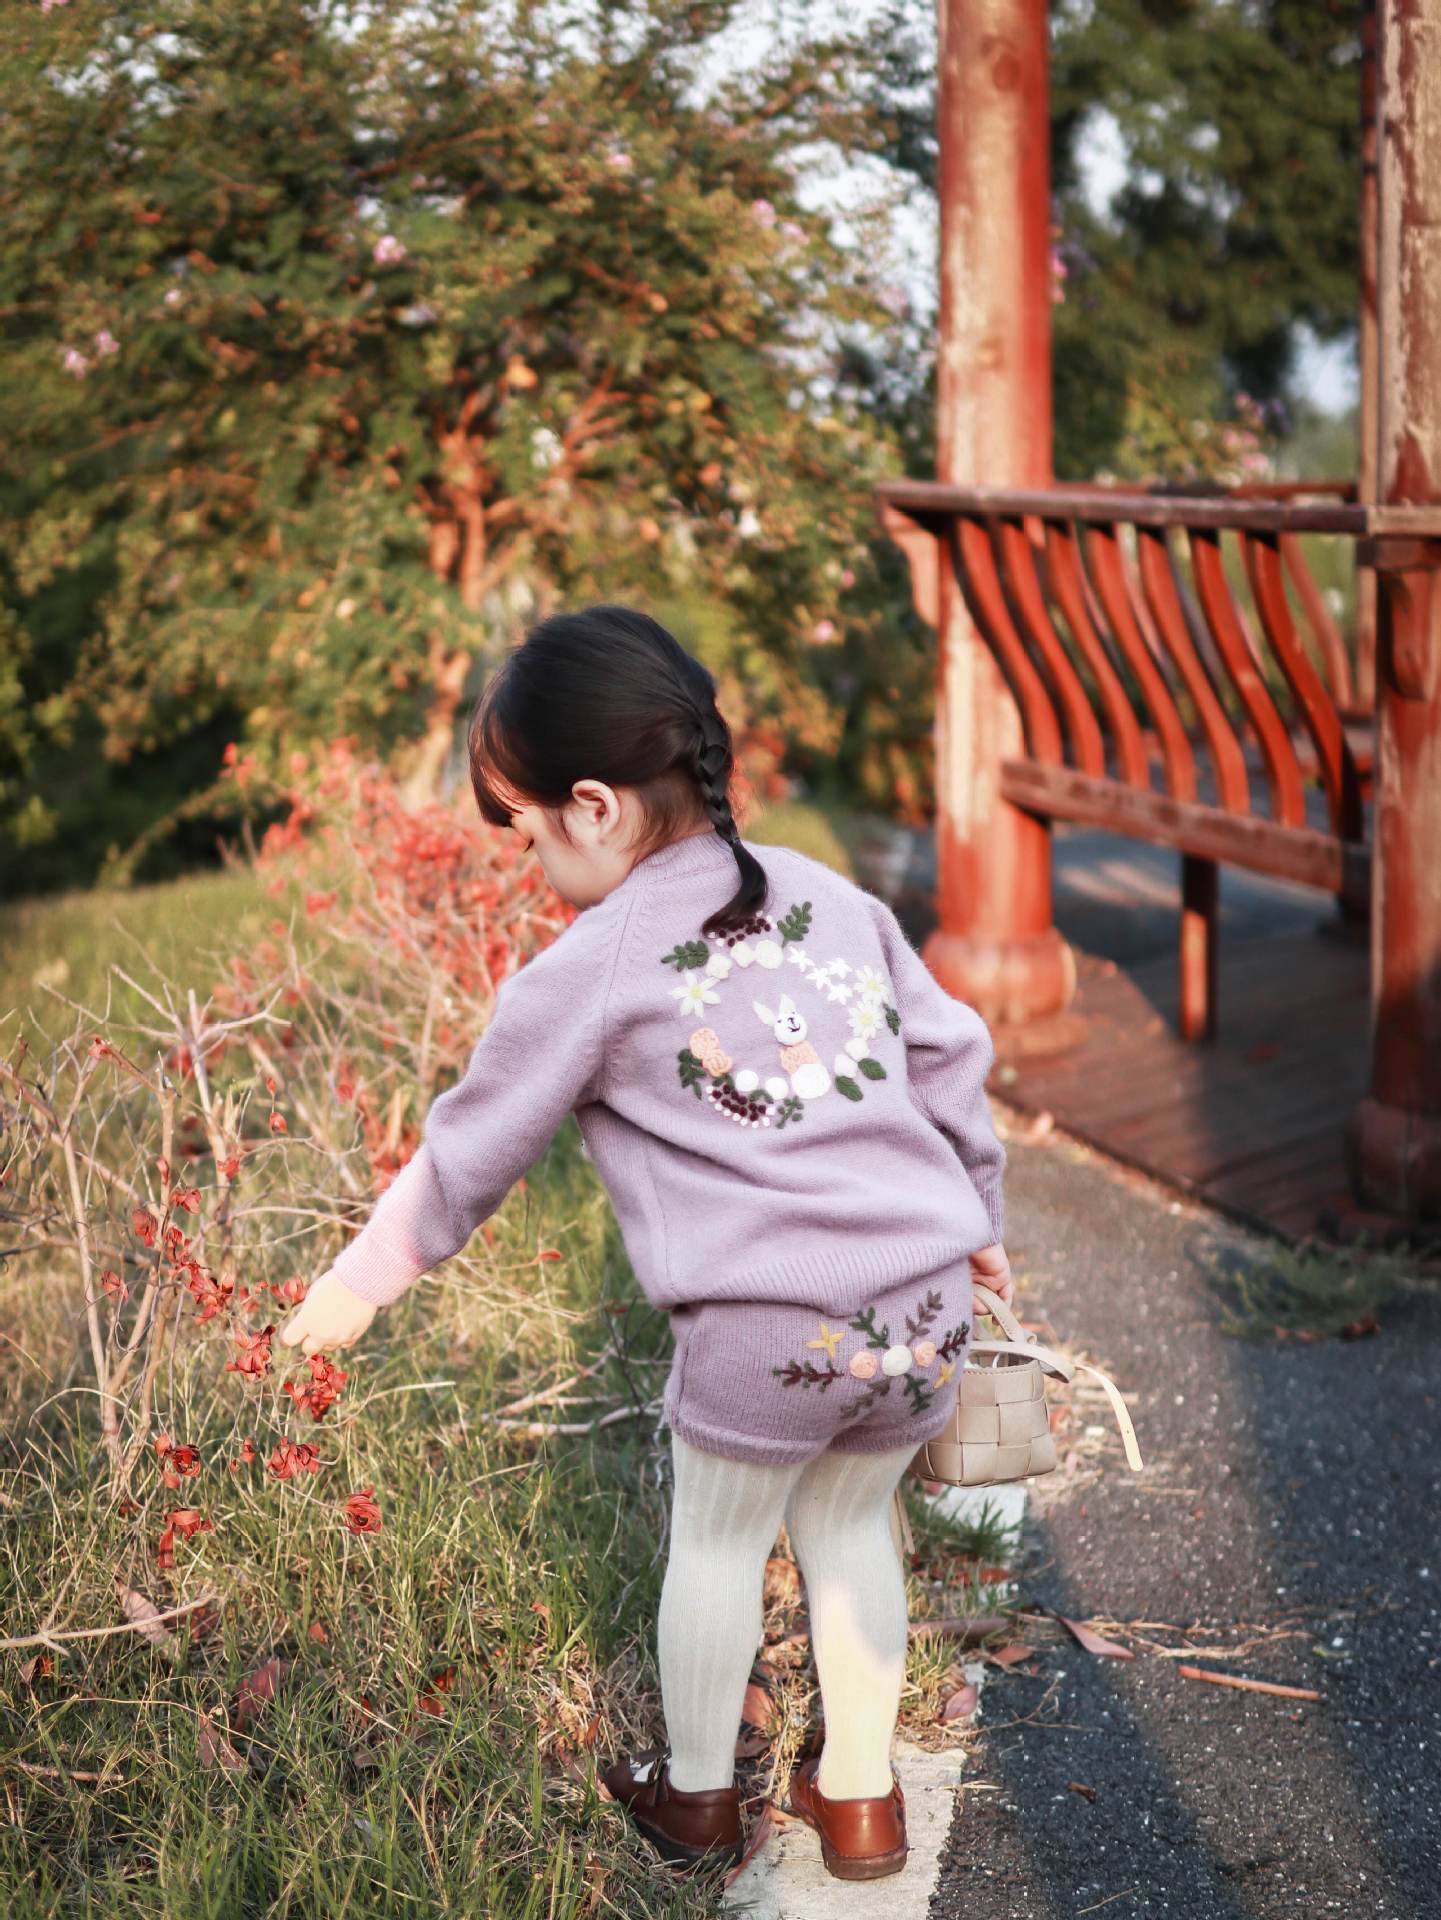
(860, 1839)
(684, 1828)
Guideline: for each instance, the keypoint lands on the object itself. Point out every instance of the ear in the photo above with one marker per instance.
(787, 1004)
(764, 1013)
(596, 810)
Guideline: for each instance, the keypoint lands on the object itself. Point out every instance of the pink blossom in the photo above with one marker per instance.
(76, 363)
(824, 630)
(792, 231)
(848, 578)
(863, 1365)
(618, 158)
(763, 212)
(46, 5)
(387, 251)
(105, 342)
(173, 297)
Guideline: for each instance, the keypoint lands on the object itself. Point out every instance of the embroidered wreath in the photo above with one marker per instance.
(747, 1094)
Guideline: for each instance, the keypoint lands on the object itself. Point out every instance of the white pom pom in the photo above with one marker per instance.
(857, 1048)
(746, 1081)
(896, 1360)
(777, 1087)
(742, 954)
(768, 953)
(718, 966)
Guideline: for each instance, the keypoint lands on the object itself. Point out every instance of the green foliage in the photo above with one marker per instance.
(796, 924)
(692, 1071)
(686, 953)
(339, 340)
(1238, 218)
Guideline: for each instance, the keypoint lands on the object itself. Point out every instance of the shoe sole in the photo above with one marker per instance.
(678, 1853)
(853, 1866)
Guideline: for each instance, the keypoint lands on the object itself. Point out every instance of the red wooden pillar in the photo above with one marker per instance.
(1369, 364)
(1395, 1134)
(995, 945)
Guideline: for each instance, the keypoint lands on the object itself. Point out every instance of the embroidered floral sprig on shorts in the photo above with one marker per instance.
(905, 1361)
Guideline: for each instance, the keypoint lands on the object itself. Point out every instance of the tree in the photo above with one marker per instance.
(325, 321)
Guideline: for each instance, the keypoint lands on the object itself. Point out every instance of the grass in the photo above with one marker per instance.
(451, 1682)
(1304, 1293)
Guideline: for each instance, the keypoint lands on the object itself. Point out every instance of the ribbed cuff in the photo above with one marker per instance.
(375, 1272)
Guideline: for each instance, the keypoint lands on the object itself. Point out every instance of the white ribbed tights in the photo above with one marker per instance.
(839, 1514)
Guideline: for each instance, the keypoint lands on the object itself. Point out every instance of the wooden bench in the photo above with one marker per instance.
(1174, 665)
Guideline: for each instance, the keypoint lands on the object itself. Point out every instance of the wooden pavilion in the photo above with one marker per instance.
(1161, 665)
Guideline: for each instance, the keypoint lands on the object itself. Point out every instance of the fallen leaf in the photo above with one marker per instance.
(962, 1703)
(1077, 1786)
(1010, 1655)
(970, 1633)
(38, 1663)
(759, 1709)
(317, 1632)
(587, 1739)
(1360, 1329)
(782, 1582)
(256, 1687)
(1090, 1639)
(144, 1615)
(215, 1749)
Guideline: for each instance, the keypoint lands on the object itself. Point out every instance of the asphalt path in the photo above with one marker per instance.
(1291, 1498)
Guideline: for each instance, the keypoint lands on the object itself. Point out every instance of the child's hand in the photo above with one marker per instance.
(991, 1267)
(329, 1316)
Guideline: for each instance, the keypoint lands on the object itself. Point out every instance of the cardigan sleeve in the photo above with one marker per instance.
(541, 1055)
(949, 1053)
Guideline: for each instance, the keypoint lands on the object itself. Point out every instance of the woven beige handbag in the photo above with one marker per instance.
(1001, 1426)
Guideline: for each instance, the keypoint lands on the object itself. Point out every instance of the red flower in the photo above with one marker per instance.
(317, 903)
(231, 1167)
(180, 1463)
(254, 1354)
(187, 1198)
(549, 1253)
(292, 1457)
(362, 1515)
(247, 1454)
(101, 1049)
(211, 1295)
(277, 1123)
(323, 1389)
(114, 1285)
(294, 1290)
(144, 1225)
(269, 1083)
(189, 1520)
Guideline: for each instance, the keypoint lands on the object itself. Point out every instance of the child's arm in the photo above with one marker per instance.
(540, 1056)
(949, 1053)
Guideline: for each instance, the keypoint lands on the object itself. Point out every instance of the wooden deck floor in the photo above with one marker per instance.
(1251, 1122)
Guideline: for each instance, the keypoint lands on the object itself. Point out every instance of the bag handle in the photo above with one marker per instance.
(1019, 1341)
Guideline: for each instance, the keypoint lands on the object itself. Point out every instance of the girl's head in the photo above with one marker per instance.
(599, 740)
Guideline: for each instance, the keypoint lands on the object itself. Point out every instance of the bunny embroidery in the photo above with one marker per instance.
(798, 1058)
(777, 1100)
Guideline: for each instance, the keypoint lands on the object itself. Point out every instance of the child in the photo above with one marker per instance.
(789, 1115)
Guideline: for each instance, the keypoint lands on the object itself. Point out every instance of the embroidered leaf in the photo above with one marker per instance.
(789, 1109)
(847, 1086)
(920, 1399)
(689, 953)
(797, 923)
(875, 1337)
(893, 1019)
(872, 1069)
(691, 1071)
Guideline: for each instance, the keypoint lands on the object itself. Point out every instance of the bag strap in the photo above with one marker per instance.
(1019, 1341)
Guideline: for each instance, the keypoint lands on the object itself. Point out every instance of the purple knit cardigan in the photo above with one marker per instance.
(795, 1113)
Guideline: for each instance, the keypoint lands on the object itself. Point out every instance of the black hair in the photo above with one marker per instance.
(607, 694)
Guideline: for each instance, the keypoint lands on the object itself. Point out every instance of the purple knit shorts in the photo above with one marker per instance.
(775, 1382)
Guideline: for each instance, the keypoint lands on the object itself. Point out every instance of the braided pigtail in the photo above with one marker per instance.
(714, 763)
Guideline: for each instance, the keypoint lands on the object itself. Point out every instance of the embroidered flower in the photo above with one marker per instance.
(839, 992)
(718, 966)
(863, 1365)
(865, 1019)
(925, 1352)
(695, 994)
(948, 1367)
(829, 1339)
(705, 1044)
(768, 953)
(742, 954)
(798, 957)
(870, 984)
(896, 1360)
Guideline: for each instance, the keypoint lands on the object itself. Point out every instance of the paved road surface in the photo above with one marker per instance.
(1316, 1472)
